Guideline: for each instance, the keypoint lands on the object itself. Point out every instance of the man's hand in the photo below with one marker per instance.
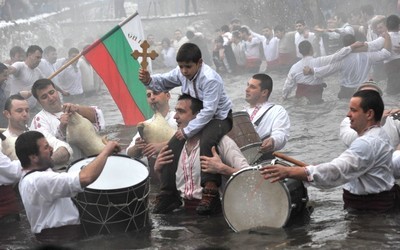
(152, 149)
(267, 145)
(211, 164)
(164, 157)
(70, 108)
(308, 71)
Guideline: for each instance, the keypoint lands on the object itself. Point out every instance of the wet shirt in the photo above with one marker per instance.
(206, 86)
(10, 171)
(354, 69)
(296, 76)
(23, 79)
(46, 196)
(364, 168)
(274, 124)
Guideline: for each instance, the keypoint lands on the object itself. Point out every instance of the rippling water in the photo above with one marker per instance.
(313, 139)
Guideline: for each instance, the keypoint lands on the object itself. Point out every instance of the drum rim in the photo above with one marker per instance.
(115, 189)
(255, 168)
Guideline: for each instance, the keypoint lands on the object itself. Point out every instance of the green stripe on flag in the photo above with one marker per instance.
(120, 51)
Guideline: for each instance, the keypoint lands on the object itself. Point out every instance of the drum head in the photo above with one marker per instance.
(119, 172)
(250, 201)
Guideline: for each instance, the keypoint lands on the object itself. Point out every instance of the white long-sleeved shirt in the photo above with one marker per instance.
(206, 86)
(46, 196)
(271, 49)
(10, 171)
(354, 69)
(296, 75)
(274, 124)
(378, 44)
(23, 79)
(364, 168)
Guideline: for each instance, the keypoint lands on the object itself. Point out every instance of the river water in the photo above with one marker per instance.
(313, 139)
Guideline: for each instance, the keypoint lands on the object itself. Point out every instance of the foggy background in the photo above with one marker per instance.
(75, 23)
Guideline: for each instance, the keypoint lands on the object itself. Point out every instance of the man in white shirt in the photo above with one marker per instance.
(270, 47)
(70, 79)
(46, 195)
(354, 69)
(25, 73)
(54, 116)
(302, 33)
(389, 122)
(307, 85)
(364, 168)
(47, 64)
(271, 121)
(252, 45)
(16, 110)
(187, 179)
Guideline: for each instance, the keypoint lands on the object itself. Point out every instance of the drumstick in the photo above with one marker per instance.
(289, 159)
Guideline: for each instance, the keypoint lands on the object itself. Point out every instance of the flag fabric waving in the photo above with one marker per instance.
(110, 56)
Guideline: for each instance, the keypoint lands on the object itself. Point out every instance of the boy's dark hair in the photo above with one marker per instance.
(188, 52)
(302, 22)
(196, 105)
(26, 145)
(279, 28)
(40, 84)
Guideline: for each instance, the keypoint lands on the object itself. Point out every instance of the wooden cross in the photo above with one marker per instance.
(136, 54)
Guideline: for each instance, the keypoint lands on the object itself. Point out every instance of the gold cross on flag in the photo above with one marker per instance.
(152, 54)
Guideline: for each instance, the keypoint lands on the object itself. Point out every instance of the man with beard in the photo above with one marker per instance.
(46, 195)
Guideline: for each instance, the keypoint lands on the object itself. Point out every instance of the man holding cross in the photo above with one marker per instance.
(213, 121)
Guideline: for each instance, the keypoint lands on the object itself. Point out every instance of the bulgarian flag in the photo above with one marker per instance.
(110, 56)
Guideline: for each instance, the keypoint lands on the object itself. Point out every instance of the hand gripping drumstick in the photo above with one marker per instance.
(289, 159)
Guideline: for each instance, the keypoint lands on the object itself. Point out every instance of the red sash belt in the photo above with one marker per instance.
(8, 201)
(382, 202)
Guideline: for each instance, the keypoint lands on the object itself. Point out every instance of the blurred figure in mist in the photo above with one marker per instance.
(119, 8)
(194, 5)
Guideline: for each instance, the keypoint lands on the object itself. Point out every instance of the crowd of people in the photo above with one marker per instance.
(192, 166)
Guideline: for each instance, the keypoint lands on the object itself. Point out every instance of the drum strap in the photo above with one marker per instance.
(261, 117)
(33, 171)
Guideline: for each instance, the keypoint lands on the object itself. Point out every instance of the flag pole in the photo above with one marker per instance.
(91, 46)
(65, 66)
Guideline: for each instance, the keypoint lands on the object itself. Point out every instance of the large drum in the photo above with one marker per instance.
(249, 201)
(118, 200)
(245, 136)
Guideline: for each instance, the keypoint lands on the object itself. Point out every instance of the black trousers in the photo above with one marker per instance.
(211, 134)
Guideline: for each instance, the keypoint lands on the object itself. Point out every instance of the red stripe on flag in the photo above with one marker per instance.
(105, 66)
